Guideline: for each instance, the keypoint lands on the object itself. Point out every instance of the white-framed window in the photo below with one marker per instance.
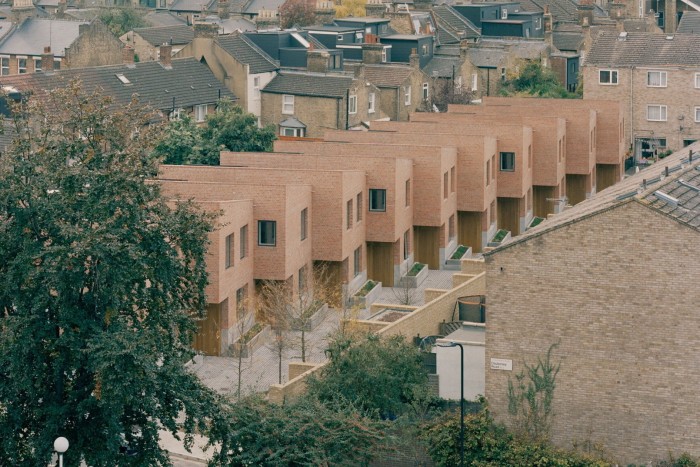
(175, 114)
(607, 76)
(200, 112)
(697, 114)
(295, 132)
(656, 79)
(407, 95)
(426, 91)
(287, 104)
(21, 65)
(267, 233)
(352, 105)
(370, 101)
(256, 86)
(4, 66)
(37, 64)
(656, 113)
(339, 38)
(504, 13)
(697, 80)
(475, 82)
(538, 23)
(384, 55)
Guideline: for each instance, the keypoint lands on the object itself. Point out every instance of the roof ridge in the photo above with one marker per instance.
(257, 49)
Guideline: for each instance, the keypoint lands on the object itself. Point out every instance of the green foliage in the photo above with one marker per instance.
(530, 398)
(415, 269)
(381, 376)
(369, 285)
(123, 19)
(100, 285)
(535, 80)
(304, 432)
(229, 128)
(459, 252)
(350, 8)
(500, 235)
(487, 443)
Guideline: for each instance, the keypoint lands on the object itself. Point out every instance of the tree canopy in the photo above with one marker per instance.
(535, 80)
(297, 13)
(228, 128)
(122, 20)
(100, 283)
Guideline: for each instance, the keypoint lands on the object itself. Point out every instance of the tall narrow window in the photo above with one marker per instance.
(200, 113)
(370, 103)
(406, 244)
(37, 64)
(348, 214)
(359, 207)
(451, 227)
(21, 65)
(5, 66)
(408, 192)
(304, 223)
(453, 178)
(426, 91)
(357, 260)
(243, 240)
(230, 245)
(241, 300)
(267, 233)
(287, 104)
(302, 278)
(488, 172)
(352, 105)
(445, 184)
(407, 95)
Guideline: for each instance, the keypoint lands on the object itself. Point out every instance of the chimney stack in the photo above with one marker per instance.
(128, 56)
(206, 30)
(372, 50)
(414, 59)
(317, 60)
(47, 60)
(166, 54)
(223, 9)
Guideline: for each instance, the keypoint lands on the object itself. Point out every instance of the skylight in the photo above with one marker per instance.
(123, 78)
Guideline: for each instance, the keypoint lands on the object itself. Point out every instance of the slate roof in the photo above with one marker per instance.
(644, 49)
(486, 57)
(188, 82)
(245, 51)
(388, 76)
(562, 10)
(309, 84)
(193, 5)
(448, 18)
(255, 6)
(446, 37)
(567, 41)
(631, 189)
(164, 18)
(32, 35)
(441, 67)
(689, 23)
(176, 35)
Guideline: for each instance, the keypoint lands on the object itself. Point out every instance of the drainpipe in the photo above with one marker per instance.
(634, 155)
(347, 109)
(488, 81)
(398, 103)
(337, 114)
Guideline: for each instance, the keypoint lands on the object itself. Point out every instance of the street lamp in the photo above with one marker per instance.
(461, 397)
(60, 446)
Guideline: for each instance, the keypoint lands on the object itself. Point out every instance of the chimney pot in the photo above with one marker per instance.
(166, 54)
(128, 55)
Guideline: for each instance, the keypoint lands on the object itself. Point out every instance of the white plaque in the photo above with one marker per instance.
(501, 364)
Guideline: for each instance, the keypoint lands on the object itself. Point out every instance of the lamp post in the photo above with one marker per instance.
(461, 397)
(60, 446)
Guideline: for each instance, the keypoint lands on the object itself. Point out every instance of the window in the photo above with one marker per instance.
(339, 38)
(445, 184)
(5, 66)
(656, 79)
(407, 95)
(607, 76)
(241, 300)
(408, 192)
(21, 65)
(230, 245)
(529, 156)
(243, 239)
(538, 23)
(200, 112)
(304, 221)
(359, 207)
(656, 113)
(267, 233)
(697, 80)
(697, 114)
(302, 278)
(426, 91)
(451, 227)
(503, 74)
(352, 105)
(37, 64)
(493, 167)
(475, 82)
(256, 86)
(287, 104)
(488, 171)
(175, 114)
(370, 101)
(377, 199)
(453, 178)
(384, 58)
(406, 244)
(57, 64)
(504, 14)
(492, 210)
(357, 261)
(295, 132)
(348, 215)
(424, 50)
(507, 161)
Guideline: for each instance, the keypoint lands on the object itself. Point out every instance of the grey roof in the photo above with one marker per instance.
(441, 67)
(562, 10)
(445, 36)
(486, 57)
(689, 23)
(333, 28)
(448, 18)
(632, 189)
(31, 36)
(644, 49)
(362, 19)
(255, 6)
(245, 51)
(176, 35)
(568, 41)
(193, 5)
(310, 84)
(164, 18)
(292, 122)
(387, 75)
(405, 37)
(188, 82)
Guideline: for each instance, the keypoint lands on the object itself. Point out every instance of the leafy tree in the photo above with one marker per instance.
(181, 139)
(304, 432)
(383, 376)
(101, 281)
(536, 80)
(350, 8)
(446, 92)
(297, 13)
(123, 19)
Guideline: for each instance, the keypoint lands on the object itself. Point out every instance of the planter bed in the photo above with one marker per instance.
(455, 260)
(414, 276)
(367, 294)
(251, 341)
(500, 237)
(313, 321)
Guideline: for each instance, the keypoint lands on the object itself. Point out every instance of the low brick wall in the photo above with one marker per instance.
(473, 266)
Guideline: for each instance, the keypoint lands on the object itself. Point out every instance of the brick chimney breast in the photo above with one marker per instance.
(166, 54)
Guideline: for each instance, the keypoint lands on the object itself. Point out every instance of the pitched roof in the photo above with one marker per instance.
(441, 66)
(486, 57)
(176, 35)
(245, 51)
(309, 84)
(644, 49)
(391, 76)
(689, 23)
(192, 5)
(568, 41)
(562, 10)
(164, 18)
(632, 189)
(32, 35)
(188, 82)
(448, 18)
(254, 6)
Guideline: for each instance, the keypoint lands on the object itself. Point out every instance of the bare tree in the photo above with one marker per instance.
(274, 298)
(404, 294)
(445, 92)
(243, 359)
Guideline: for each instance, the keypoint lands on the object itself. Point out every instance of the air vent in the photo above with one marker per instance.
(668, 199)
